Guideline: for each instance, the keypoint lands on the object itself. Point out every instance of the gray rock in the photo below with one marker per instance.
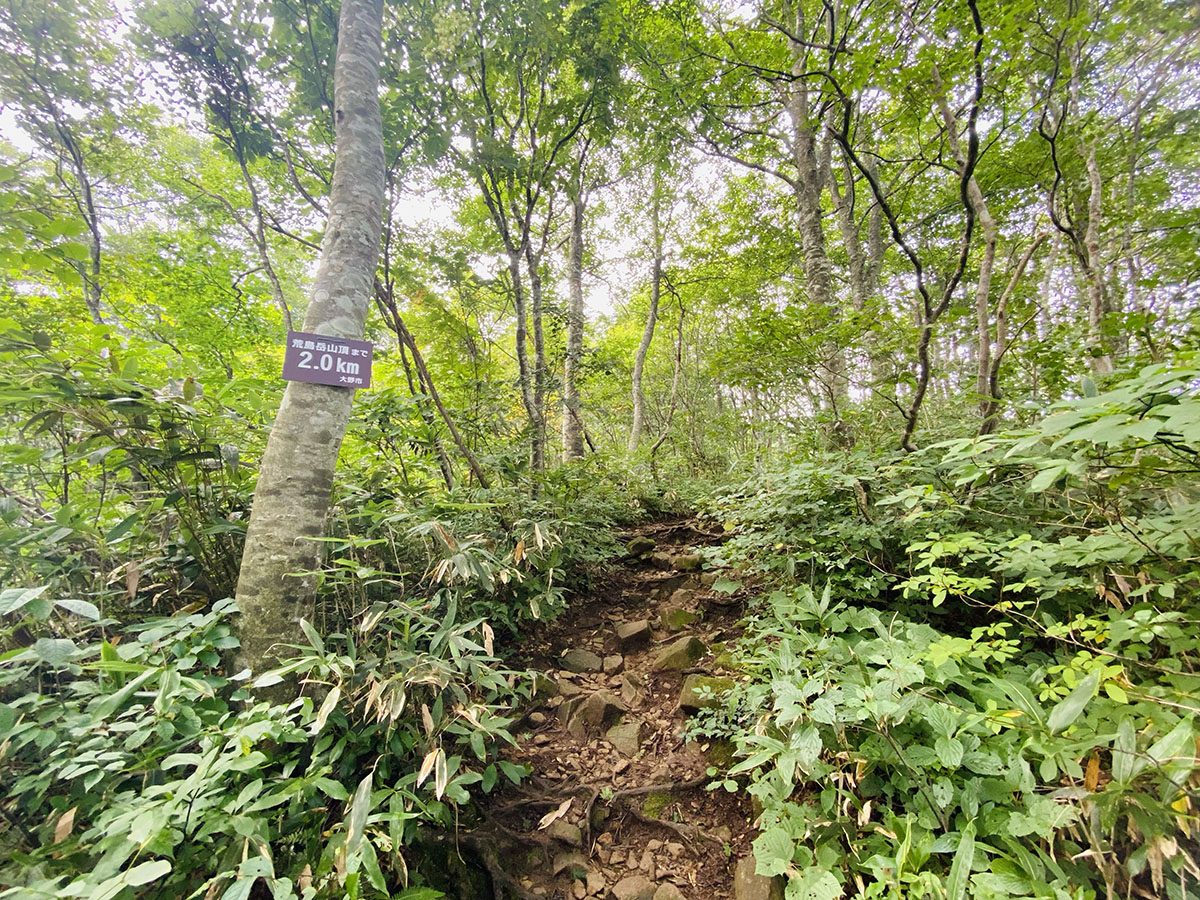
(661, 560)
(668, 891)
(595, 882)
(679, 655)
(708, 578)
(635, 887)
(631, 691)
(682, 596)
(626, 737)
(599, 710)
(564, 831)
(568, 688)
(613, 664)
(688, 562)
(631, 635)
(579, 660)
(640, 545)
(749, 886)
(676, 619)
(544, 686)
(703, 691)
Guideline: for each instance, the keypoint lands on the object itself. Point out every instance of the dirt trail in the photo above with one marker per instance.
(619, 796)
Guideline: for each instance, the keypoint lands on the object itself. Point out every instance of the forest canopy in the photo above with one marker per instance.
(895, 303)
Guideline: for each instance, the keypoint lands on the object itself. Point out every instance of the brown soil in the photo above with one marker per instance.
(647, 814)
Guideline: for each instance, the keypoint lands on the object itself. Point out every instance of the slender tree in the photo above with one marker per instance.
(277, 584)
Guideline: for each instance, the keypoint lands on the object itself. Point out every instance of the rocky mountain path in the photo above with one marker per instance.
(617, 806)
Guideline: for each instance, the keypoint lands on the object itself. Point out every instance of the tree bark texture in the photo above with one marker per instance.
(639, 361)
(534, 260)
(572, 423)
(811, 170)
(277, 583)
(524, 375)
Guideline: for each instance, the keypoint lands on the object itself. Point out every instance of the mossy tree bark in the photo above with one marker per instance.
(277, 583)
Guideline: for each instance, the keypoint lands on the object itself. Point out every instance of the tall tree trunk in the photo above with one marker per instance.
(277, 583)
(1093, 273)
(639, 361)
(572, 423)
(983, 286)
(534, 261)
(523, 373)
(807, 189)
(674, 390)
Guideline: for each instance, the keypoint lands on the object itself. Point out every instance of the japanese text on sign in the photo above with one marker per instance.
(322, 359)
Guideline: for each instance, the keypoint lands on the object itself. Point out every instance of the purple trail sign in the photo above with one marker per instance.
(322, 359)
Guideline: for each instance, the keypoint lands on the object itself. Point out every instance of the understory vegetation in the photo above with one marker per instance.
(897, 299)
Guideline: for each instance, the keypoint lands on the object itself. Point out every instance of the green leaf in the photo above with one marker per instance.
(1124, 747)
(55, 651)
(1046, 477)
(960, 868)
(1069, 708)
(360, 807)
(13, 599)
(313, 637)
(773, 850)
(332, 789)
(418, 893)
(726, 586)
(146, 872)
(813, 883)
(949, 751)
(80, 608)
(1170, 746)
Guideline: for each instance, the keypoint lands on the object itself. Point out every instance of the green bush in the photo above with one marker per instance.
(993, 693)
(132, 767)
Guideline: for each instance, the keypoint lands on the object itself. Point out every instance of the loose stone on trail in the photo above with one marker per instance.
(703, 691)
(680, 654)
(579, 660)
(632, 635)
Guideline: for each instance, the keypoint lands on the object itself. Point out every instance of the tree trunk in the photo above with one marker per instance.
(639, 361)
(807, 189)
(523, 373)
(534, 261)
(1102, 361)
(277, 583)
(572, 423)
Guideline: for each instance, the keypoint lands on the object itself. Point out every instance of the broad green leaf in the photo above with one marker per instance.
(1124, 747)
(360, 807)
(1170, 746)
(79, 608)
(1069, 708)
(960, 868)
(813, 883)
(949, 751)
(55, 651)
(146, 872)
(313, 637)
(773, 850)
(12, 599)
(327, 706)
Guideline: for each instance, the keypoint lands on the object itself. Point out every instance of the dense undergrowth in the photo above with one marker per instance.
(134, 762)
(974, 671)
(969, 671)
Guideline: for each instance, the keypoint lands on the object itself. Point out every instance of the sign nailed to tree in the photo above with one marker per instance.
(322, 359)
